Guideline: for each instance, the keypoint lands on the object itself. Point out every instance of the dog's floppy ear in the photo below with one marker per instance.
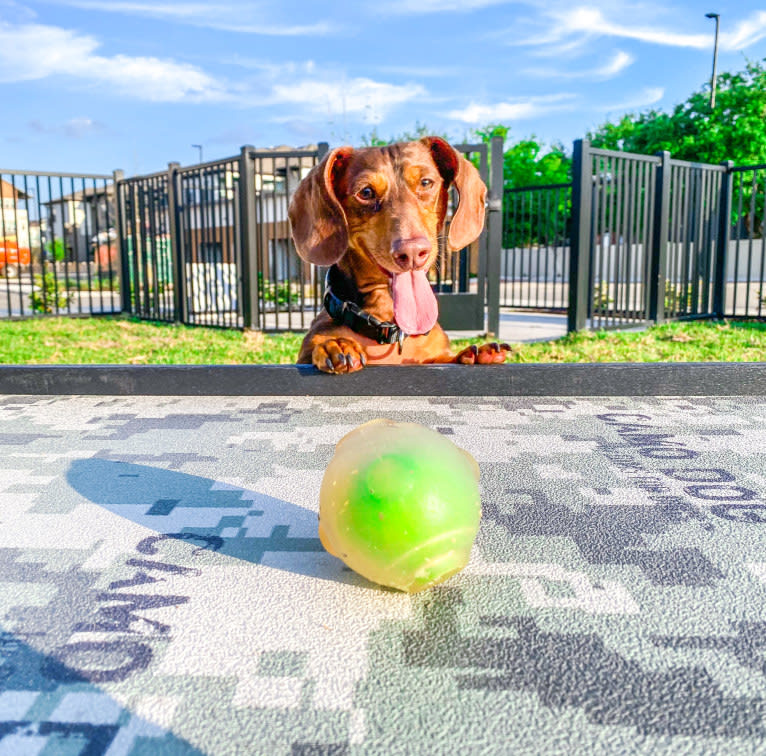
(317, 219)
(468, 220)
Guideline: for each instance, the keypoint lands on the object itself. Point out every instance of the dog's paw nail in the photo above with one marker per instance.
(506, 347)
(495, 346)
(474, 350)
(363, 358)
(329, 364)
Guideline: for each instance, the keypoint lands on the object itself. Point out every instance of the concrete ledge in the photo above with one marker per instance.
(589, 379)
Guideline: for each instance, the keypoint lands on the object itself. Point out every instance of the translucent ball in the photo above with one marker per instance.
(399, 504)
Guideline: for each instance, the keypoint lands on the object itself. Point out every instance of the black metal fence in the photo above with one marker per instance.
(622, 222)
(460, 276)
(744, 259)
(146, 268)
(210, 244)
(654, 238)
(692, 218)
(58, 244)
(633, 239)
(534, 266)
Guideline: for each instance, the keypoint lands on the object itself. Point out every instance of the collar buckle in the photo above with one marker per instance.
(348, 313)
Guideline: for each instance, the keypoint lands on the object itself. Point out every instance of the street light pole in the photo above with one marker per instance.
(199, 147)
(715, 58)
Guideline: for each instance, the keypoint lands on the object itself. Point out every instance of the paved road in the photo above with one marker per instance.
(163, 591)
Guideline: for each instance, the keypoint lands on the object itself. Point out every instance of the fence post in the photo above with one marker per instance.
(179, 267)
(119, 211)
(494, 235)
(659, 248)
(251, 307)
(580, 241)
(722, 242)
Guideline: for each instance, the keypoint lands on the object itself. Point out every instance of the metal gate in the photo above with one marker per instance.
(534, 272)
(58, 251)
(210, 245)
(620, 204)
(467, 280)
(656, 239)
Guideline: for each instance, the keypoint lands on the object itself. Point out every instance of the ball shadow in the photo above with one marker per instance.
(232, 521)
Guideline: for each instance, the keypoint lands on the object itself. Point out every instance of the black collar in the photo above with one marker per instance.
(339, 301)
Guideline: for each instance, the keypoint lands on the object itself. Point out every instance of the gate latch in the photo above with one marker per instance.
(494, 204)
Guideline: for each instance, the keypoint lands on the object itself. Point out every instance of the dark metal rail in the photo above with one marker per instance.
(534, 271)
(58, 244)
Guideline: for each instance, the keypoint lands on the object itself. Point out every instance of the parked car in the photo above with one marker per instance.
(12, 257)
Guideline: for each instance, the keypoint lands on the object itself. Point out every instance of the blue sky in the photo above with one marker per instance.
(93, 85)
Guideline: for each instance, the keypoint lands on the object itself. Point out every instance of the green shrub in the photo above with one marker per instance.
(49, 295)
(56, 251)
(280, 292)
(675, 298)
(601, 298)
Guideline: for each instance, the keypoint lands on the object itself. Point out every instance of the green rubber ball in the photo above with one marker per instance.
(399, 504)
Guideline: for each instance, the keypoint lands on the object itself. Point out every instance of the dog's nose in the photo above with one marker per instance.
(411, 254)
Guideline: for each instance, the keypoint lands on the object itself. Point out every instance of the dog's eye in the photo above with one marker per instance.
(367, 194)
(426, 183)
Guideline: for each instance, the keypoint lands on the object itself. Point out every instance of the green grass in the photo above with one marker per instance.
(129, 341)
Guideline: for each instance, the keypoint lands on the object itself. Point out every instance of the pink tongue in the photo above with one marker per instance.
(415, 306)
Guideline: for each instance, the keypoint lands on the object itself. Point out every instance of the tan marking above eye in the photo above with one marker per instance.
(420, 177)
(366, 183)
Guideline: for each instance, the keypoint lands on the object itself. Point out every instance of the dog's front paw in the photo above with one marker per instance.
(339, 356)
(486, 354)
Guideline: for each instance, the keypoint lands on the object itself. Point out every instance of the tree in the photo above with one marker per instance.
(526, 163)
(373, 139)
(733, 130)
(536, 216)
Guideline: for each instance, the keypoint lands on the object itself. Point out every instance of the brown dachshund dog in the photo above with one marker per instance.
(375, 215)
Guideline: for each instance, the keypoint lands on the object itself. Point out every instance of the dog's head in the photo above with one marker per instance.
(388, 204)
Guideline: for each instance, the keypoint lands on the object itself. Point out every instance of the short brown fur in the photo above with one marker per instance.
(378, 211)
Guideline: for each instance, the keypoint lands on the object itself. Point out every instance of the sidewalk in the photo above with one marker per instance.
(517, 326)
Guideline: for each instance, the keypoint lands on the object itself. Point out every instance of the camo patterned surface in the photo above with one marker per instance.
(163, 590)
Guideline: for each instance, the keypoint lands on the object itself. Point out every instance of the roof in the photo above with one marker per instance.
(9, 191)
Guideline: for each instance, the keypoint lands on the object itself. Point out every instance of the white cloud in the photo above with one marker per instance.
(618, 63)
(354, 97)
(585, 22)
(418, 7)
(572, 28)
(592, 21)
(329, 90)
(477, 114)
(746, 33)
(35, 51)
(648, 96)
(271, 68)
(14, 11)
(224, 17)
(425, 72)
(74, 128)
